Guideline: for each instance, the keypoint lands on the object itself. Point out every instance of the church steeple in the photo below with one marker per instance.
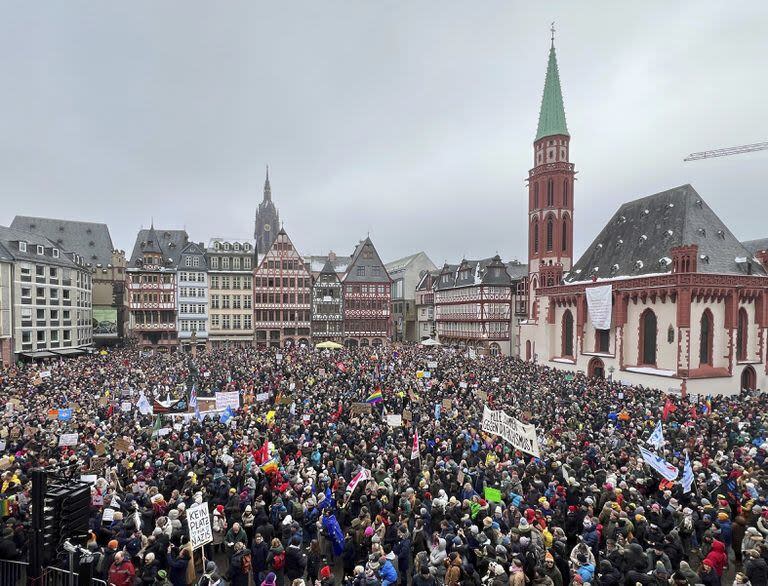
(552, 113)
(550, 188)
(267, 188)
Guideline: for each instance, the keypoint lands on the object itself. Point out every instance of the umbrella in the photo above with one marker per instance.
(430, 342)
(329, 345)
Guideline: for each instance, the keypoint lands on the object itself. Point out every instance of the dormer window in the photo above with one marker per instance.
(721, 233)
(704, 258)
(226, 246)
(702, 232)
(236, 246)
(55, 253)
(216, 246)
(614, 269)
(40, 249)
(22, 247)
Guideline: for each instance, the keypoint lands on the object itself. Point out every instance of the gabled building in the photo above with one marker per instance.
(327, 306)
(151, 288)
(665, 296)
(282, 290)
(91, 242)
(366, 289)
(230, 285)
(45, 298)
(424, 301)
(474, 306)
(193, 296)
(405, 274)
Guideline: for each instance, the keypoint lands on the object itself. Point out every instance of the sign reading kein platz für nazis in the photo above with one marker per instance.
(521, 435)
(199, 521)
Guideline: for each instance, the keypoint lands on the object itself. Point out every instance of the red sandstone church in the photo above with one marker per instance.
(665, 296)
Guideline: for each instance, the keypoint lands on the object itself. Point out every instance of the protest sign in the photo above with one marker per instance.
(262, 397)
(67, 439)
(463, 385)
(123, 445)
(228, 399)
(45, 374)
(407, 415)
(360, 408)
(126, 406)
(482, 395)
(432, 364)
(447, 404)
(395, 420)
(492, 495)
(199, 521)
(163, 431)
(89, 478)
(108, 516)
(522, 436)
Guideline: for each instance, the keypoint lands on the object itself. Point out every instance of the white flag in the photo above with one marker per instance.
(656, 439)
(687, 480)
(415, 448)
(359, 477)
(143, 405)
(659, 464)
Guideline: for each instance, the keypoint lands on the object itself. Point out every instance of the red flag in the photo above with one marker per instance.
(341, 366)
(336, 415)
(669, 407)
(262, 454)
(415, 447)
(694, 415)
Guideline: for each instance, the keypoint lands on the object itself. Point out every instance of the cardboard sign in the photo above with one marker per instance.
(413, 396)
(482, 395)
(108, 516)
(67, 439)
(432, 364)
(463, 385)
(407, 415)
(360, 408)
(126, 406)
(98, 464)
(15, 433)
(447, 404)
(199, 521)
(123, 445)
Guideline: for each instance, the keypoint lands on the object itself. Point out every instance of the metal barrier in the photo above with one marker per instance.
(13, 573)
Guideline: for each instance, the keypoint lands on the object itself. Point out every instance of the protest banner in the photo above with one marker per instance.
(199, 520)
(68, 439)
(522, 436)
(492, 495)
(228, 399)
(45, 374)
(360, 408)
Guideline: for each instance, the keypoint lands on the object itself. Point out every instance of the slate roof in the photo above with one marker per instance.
(424, 284)
(169, 243)
(755, 246)
(517, 270)
(402, 263)
(317, 263)
(91, 240)
(9, 248)
(195, 249)
(358, 260)
(638, 239)
(474, 272)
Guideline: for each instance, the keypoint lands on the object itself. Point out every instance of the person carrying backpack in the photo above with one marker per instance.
(240, 565)
(211, 576)
(295, 560)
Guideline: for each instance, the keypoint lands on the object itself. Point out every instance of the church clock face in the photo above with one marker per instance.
(267, 227)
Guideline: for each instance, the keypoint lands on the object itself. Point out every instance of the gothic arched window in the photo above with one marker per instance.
(564, 241)
(536, 236)
(567, 341)
(648, 331)
(550, 192)
(705, 338)
(550, 230)
(565, 192)
(536, 194)
(742, 330)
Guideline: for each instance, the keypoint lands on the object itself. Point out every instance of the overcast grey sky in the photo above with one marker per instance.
(411, 120)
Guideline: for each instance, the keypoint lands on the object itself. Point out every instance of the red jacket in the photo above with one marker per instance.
(717, 557)
(122, 574)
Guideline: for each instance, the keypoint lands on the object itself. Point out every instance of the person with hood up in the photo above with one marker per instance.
(607, 575)
(437, 557)
(687, 572)
(387, 572)
(210, 576)
(756, 568)
(717, 557)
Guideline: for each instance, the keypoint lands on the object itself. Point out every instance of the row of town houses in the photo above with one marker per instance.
(65, 289)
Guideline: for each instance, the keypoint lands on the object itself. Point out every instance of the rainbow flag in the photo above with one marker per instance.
(270, 467)
(375, 397)
(707, 409)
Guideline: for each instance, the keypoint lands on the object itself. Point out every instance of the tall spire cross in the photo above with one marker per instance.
(552, 30)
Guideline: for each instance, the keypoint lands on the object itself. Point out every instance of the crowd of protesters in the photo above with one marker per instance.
(469, 509)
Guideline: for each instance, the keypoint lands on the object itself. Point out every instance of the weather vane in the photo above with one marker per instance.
(552, 29)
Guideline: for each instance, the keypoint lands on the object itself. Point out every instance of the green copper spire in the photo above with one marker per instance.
(552, 113)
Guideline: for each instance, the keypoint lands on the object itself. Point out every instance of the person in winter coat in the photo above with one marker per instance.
(707, 574)
(210, 576)
(387, 572)
(686, 571)
(516, 575)
(717, 557)
(607, 575)
(177, 566)
(149, 569)
(755, 568)
(238, 574)
(586, 570)
(437, 557)
(219, 527)
(738, 530)
(551, 570)
(423, 578)
(402, 550)
(752, 539)
(122, 572)
(295, 560)
(236, 534)
(276, 559)
(259, 553)
(453, 574)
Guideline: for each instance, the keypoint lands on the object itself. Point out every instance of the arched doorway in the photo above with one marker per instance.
(364, 342)
(596, 368)
(528, 350)
(748, 379)
(351, 343)
(376, 342)
(494, 349)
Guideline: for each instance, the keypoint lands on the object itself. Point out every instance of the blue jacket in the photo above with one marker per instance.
(388, 573)
(586, 572)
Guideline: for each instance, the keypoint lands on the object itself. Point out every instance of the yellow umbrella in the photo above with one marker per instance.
(329, 345)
